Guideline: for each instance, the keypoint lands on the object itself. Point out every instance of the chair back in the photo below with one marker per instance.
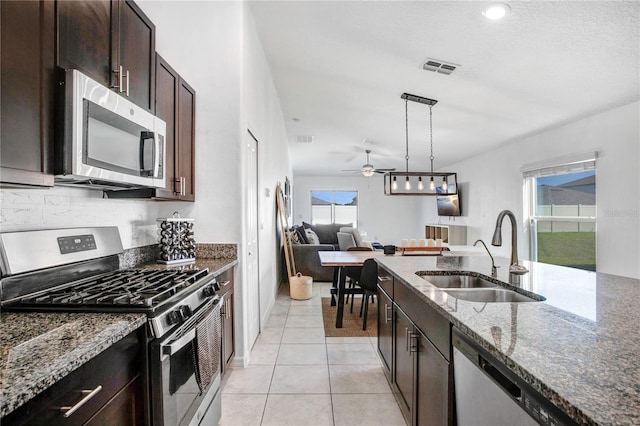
(345, 241)
(369, 275)
(359, 249)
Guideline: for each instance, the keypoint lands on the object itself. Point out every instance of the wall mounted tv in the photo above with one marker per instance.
(448, 205)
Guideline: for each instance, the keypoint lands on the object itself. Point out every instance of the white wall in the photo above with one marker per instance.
(493, 182)
(263, 117)
(386, 219)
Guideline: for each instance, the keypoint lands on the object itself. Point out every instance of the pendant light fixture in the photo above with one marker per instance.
(442, 183)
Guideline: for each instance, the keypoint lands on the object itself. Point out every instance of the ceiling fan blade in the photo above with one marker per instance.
(352, 170)
(384, 170)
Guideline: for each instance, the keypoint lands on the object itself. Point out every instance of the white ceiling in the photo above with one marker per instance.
(340, 67)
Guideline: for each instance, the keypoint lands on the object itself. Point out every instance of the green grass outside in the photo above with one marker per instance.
(574, 249)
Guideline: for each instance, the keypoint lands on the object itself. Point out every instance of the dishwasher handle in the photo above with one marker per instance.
(500, 379)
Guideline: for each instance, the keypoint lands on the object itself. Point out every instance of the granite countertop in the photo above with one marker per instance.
(39, 349)
(579, 347)
(216, 266)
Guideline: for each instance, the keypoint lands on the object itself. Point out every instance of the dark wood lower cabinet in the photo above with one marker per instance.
(420, 374)
(116, 377)
(225, 280)
(385, 332)
(434, 374)
(403, 364)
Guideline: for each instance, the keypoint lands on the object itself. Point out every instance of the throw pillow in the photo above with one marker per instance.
(298, 233)
(312, 237)
(294, 237)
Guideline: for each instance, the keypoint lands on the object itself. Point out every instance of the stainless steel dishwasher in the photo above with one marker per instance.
(488, 394)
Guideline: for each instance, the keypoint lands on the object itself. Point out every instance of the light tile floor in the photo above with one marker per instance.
(297, 376)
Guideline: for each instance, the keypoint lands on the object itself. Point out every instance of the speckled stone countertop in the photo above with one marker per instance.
(38, 349)
(216, 266)
(579, 348)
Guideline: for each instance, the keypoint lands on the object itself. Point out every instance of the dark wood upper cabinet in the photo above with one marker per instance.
(185, 148)
(27, 92)
(112, 42)
(176, 105)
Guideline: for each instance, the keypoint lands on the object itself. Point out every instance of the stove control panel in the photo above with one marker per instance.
(179, 315)
(76, 243)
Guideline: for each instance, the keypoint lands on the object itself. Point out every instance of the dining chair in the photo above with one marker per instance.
(353, 273)
(368, 282)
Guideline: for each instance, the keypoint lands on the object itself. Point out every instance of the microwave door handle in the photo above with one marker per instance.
(157, 154)
(144, 136)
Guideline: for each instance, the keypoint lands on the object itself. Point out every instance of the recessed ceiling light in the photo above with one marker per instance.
(496, 11)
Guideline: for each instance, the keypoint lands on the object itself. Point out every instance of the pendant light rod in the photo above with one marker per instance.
(431, 134)
(406, 132)
(419, 99)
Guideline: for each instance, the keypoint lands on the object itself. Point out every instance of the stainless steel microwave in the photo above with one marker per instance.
(105, 141)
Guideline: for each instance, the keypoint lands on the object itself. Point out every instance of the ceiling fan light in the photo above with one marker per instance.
(367, 172)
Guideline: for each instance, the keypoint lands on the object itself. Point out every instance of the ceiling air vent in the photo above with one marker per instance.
(304, 139)
(439, 66)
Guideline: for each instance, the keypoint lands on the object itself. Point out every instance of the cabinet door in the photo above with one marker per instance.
(136, 37)
(185, 146)
(228, 338)
(433, 374)
(27, 55)
(167, 81)
(84, 38)
(125, 408)
(403, 365)
(385, 332)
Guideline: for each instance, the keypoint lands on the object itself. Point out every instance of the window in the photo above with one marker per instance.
(334, 207)
(562, 214)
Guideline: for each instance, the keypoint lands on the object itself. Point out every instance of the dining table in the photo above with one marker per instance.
(338, 260)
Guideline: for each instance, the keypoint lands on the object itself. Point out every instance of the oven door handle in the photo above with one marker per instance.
(178, 344)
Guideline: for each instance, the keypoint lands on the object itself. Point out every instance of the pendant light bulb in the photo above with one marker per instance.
(432, 184)
(407, 184)
(394, 184)
(420, 184)
(445, 185)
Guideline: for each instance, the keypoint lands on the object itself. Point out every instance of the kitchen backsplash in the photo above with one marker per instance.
(137, 255)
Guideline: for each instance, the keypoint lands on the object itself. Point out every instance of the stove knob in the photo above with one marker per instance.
(185, 312)
(173, 317)
(216, 285)
(208, 291)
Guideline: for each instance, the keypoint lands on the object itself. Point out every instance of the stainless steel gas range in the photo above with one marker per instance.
(78, 270)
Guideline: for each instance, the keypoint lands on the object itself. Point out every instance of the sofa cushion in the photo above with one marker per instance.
(327, 233)
(312, 237)
(356, 235)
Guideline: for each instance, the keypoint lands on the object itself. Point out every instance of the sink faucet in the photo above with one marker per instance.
(494, 268)
(514, 268)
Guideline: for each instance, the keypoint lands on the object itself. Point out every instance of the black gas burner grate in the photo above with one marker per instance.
(130, 287)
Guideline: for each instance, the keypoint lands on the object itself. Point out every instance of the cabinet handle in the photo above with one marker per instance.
(228, 311)
(385, 278)
(413, 337)
(118, 86)
(406, 338)
(184, 186)
(88, 394)
(387, 317)
(127, 91)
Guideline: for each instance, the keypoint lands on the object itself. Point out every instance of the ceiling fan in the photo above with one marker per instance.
(368, 170)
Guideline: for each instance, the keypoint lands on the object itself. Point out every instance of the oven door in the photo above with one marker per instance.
(176, 397)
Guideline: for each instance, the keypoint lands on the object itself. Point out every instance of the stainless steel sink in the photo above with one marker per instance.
(465, 286)
(489, 295)
(458, 281)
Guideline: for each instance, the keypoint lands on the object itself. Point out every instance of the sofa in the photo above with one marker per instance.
(306, 246)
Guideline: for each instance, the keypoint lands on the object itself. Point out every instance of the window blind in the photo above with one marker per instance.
(563, 165)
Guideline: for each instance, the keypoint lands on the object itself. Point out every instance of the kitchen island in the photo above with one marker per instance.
(578, 348)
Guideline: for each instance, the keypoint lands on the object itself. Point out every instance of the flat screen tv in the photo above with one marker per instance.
(448, 205)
